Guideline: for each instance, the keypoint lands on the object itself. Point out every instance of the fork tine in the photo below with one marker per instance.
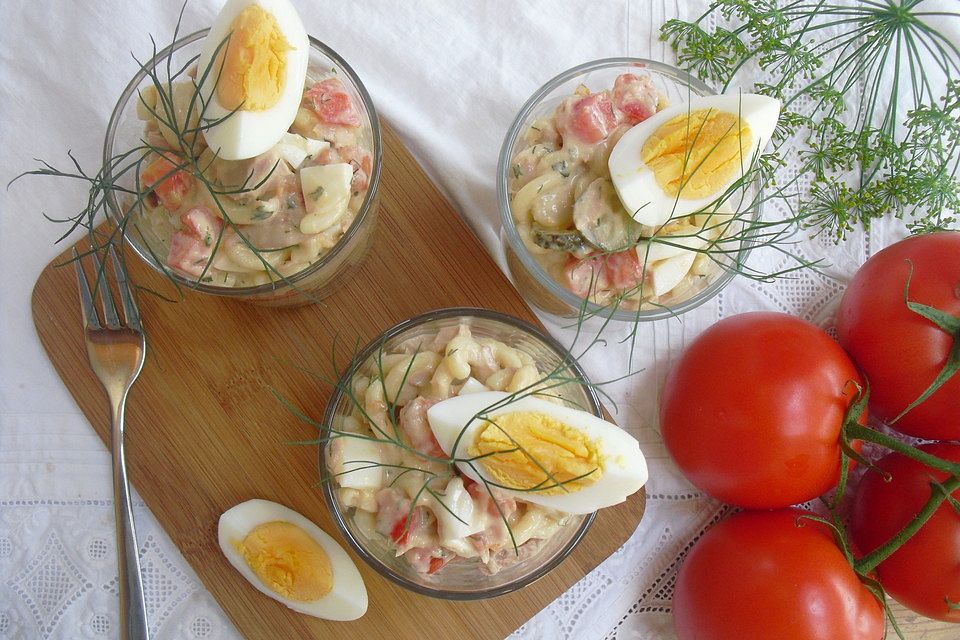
(90, 318)
(106, 297)
(130, 311)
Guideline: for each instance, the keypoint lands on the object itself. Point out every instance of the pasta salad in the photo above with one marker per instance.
(254, 221)
(571, 220)
(392, 475)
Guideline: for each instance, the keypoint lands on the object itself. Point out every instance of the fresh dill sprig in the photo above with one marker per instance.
(881, 137)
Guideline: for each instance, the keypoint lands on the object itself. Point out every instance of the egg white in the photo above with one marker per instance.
(245, 134)
(624, 467)
(636, 183)
(347, 599)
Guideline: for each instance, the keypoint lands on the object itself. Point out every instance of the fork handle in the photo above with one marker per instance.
(133, 612)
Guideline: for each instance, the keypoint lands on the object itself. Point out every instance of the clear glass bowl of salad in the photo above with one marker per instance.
(379, 455)
(556, 198)
(242, 237)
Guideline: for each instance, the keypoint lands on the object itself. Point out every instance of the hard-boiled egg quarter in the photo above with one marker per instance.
(683, 158)
(292, 560)
(255, 60)
(547, 454)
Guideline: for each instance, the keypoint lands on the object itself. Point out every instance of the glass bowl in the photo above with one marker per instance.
(321, 277)
(461, 579)
(533, 281)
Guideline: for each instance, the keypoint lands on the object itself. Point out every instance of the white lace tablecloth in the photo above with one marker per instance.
(449, 77)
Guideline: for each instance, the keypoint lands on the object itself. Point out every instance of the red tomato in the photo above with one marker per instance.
(587, 276)
(623, 269)
(635, 97)
(332, 104)
(925, 572)
(768, 574)
(589, 119)
(189, 253)
(362, 163)
(439, 563)
(170, 190)
(900, 352)
(201, 223)
(752, 411)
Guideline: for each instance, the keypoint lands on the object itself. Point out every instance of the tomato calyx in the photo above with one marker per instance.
(951, 325)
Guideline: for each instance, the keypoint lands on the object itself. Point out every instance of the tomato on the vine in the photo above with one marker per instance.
(772, 574)
(752, 411)
(923, 574)
(899, 351)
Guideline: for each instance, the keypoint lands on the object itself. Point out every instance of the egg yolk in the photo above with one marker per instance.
(288, 561)
(253, 62)
(539, 451)
(696, 154)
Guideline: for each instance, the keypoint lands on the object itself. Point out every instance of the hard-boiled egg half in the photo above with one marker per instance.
(683, 158)
(255, 60)
(292, 560)
(544, 453)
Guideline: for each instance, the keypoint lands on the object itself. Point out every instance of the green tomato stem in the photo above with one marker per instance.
(859, 432)
(938, 496)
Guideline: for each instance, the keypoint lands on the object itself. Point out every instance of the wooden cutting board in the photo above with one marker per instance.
(205, 432)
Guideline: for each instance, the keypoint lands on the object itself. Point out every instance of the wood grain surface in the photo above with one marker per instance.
(205, 432)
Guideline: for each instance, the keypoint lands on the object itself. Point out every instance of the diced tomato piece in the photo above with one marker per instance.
(424, 560)
(362, 163)
(586, 276)
(358, 158)
(201, 223)
(635, 97)
(438, 563)
(400, 532)
(328, 156)
(332, 104)
(172, 189)
(392, 511)
(411, 528)
(189, 253)
(623, 269)
(589, 119)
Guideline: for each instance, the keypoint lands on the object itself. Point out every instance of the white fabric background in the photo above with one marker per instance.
(449, 77)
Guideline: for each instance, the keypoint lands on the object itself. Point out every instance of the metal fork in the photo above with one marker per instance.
(116, 350)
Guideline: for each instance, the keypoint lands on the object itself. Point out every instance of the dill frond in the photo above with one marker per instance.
(881, 137)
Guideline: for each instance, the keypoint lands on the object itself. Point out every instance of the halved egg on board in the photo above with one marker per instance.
(541, 452)
(255, 64)
(681, 159)
(292, 560)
